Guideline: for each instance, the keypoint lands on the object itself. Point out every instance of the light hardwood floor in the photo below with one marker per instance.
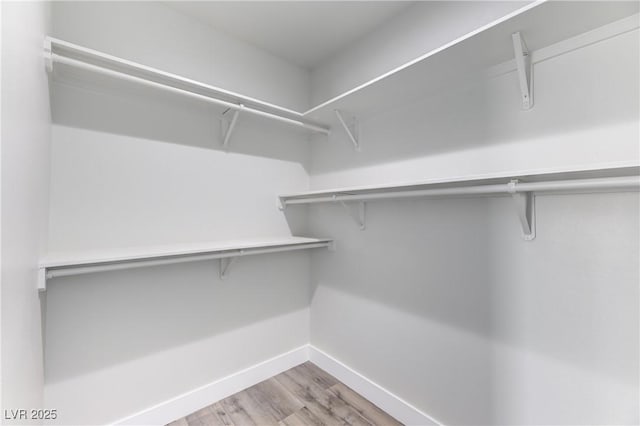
(303, 395)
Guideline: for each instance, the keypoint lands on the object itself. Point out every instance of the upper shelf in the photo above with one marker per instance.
(74, 263)
(78, 62)
(547, 28)
(541, 24)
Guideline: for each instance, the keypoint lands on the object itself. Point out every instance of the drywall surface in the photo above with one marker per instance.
(131, 167)
(25, 172)
(110, 190)
(120, 342)
(182, 45)
(442, 302)
(415, 31)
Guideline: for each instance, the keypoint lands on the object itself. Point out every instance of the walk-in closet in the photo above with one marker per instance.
(281, 213)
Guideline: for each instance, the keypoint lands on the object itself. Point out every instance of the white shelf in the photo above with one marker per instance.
(520, 186)
(74, 263)
(545, 28)
(548, 29)
(631, 169)
(78, 63)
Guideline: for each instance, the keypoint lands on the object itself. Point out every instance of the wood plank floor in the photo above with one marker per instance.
(303, 395)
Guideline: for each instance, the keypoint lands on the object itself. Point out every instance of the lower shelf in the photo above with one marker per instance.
(75, 263)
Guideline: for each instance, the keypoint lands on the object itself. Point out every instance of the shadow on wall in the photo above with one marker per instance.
(100, 320)
(387, 293)
(426, 257)
(448, 290)
(132, 110)
(111, 191)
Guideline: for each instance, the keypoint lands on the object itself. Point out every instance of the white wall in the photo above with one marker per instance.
(120, 342)
(130, 168)
(442, 302)
(412, 33)
(25, 172)
(110, 190)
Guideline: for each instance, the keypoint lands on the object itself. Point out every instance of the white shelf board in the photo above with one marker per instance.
(85, 54)
(133, 254)
(75, 63)
(542, 25)
(603, 171)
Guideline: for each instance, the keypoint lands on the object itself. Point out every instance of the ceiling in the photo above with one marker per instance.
(303, 32)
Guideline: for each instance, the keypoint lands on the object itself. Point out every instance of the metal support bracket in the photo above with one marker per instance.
(524, 67)
(48, 60)
(227, 125)
(350, 126)
(226, 263)
(524, 203)
(357, 212)
(42, 279)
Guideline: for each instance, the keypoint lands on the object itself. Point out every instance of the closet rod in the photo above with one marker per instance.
(117, 74)
(612, 183)
(129, 264)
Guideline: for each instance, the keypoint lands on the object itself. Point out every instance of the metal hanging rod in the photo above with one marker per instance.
(130, 264)
(140, 80)
(47, 272)
(610, 183)
(522, 194)
(78, 270)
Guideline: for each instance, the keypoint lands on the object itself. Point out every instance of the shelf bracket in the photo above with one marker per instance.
(226, 263)
(227, 125)
(48, 60)
(524, 203)
(42, 280)
(524, 67)
(351, 127)
(357, 212)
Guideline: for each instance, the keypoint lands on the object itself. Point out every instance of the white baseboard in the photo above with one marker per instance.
(392, 404)
(196, 399)
(191, 401)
